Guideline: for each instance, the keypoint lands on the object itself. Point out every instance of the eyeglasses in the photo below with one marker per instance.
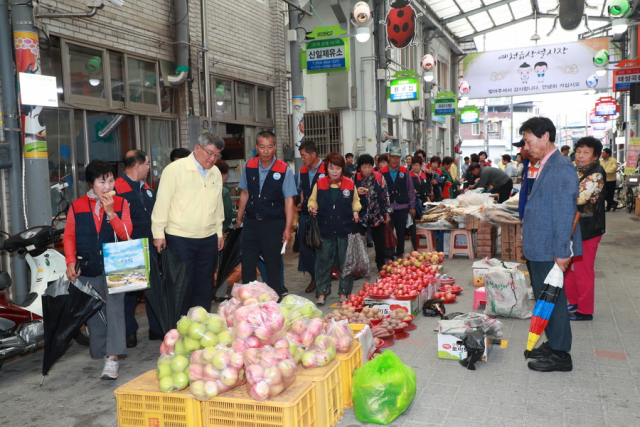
(210, 153)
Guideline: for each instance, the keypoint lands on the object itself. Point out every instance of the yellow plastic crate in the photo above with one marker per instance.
(141, 404)
(349, 362)
(329, 402)
(294, 407)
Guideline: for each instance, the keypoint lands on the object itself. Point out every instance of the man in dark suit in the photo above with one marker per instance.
(547, 236)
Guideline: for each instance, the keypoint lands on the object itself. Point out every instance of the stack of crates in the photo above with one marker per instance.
(141, 403)
(349, 362)
(486, 240)
(329, 400)
(511, 242)
(471, 222)
(294, 407)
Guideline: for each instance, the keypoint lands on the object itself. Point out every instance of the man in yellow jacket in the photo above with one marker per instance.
(610, 166)
(188, 215)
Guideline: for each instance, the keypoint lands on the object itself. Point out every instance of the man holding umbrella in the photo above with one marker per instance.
(132, 187)
(547, 239)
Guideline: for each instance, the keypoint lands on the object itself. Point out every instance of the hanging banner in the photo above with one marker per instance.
(298, 123)
(27, 50)
(632, 156)
(541, 69)
(326, 56)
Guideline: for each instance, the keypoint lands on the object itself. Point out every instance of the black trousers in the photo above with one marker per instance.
(504, 191)
(377, 233)
(130, 304)
(559, 329)
(263, 237)
(609, 192)
(399, 220)
(201, 259)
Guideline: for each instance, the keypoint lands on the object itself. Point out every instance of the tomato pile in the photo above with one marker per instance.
(402, 278)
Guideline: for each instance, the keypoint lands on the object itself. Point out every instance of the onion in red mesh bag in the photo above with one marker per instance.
(257, 325)
(269, 371)
(341, 334)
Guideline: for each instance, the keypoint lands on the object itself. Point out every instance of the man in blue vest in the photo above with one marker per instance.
(132, 187)
(266, 210)
(312, 170)
(401, 195)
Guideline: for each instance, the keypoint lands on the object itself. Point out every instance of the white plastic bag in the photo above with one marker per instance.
(506, 293)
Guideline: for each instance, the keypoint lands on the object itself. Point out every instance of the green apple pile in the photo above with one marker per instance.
(294, 307)
(200, 329)
(172, 372)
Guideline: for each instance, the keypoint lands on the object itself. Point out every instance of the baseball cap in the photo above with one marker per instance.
(519, 143)
(395, 151)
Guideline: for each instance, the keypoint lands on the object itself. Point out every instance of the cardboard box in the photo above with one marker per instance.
(451, 347)
(412, 306)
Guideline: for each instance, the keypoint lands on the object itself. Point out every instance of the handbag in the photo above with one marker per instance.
(390, 240)
(312, 237)
(126, 265)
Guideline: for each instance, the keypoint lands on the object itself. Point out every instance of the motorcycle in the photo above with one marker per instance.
(21, 323)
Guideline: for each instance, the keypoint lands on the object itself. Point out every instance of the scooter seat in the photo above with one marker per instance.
(28, 300)
(6, 324)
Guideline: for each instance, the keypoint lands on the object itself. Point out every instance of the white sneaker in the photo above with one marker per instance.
(111, 369)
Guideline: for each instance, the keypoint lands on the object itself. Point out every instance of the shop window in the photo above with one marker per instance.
(162, 142)
(86, 74)
(116, 67)
(113, 146)
(80, 153)
(51, 63)
(58, 123)
(325, 129)
(265, 105)
(408, 57)
(143, 82)
(443, 74)
(222, 97)
(475, 129)
(245, 101)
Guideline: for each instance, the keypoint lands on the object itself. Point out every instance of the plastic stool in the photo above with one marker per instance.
(428, 235)
(461, 250)
(479, 297)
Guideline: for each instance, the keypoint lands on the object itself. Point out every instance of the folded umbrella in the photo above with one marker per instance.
(230, 257)
(66, 306)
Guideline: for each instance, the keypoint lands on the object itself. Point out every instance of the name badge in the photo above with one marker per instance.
(321, 175)
(277, 176)
(346, 193)
(149, 193)
(401, 174)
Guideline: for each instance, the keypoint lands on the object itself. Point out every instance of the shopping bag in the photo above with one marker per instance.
(312, 237)
(507, 294)
(382, 389)
(390, 240)
(356, 262)
(126, 265)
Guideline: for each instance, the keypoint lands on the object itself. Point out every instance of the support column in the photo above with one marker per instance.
(632, 123)
(428, 123)
(297, 97)
(380, 39)
(36, 163)
(12, 134)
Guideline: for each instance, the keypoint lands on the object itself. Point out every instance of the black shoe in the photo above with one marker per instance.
(132, 340)
(572, 307)
(551, 363)
(538, 353)
(369, 244)
(576, 315)
(155, 336)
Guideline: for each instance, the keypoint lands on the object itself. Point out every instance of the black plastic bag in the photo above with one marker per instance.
(312, 237)
(474, 342)
(356, 262)
(433, 307)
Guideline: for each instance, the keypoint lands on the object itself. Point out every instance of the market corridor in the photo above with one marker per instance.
(602, 390)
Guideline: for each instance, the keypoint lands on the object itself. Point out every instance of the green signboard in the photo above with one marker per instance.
(326, 56)
(404, 89)
(469, 114)
(445, 104)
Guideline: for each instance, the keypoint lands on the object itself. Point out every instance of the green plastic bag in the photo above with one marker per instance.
(382, 389)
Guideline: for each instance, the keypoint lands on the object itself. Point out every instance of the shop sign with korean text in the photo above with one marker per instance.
(404, 89)
(537, 69)
(606, 106)
(627, 72)
(469, 114)
(632, 156)
(596, 119)
(326, 56)
(445, 104)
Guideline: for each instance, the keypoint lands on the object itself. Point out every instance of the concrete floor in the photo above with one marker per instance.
(602, 390)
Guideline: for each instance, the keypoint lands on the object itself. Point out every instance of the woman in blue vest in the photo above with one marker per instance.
(335, 202)
(376, 207)
(95, 219)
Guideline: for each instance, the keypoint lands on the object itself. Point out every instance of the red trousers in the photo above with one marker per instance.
(580, 280)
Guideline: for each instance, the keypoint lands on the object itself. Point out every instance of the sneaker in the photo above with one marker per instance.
(111, 369)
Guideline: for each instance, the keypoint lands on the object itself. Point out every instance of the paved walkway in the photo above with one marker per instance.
(602, 390)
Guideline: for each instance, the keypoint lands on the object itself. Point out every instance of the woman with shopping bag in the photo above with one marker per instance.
(94, 219)
(335, 202)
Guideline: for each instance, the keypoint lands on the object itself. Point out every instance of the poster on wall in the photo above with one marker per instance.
(298, 122)
(541, 69)
(632, 156)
